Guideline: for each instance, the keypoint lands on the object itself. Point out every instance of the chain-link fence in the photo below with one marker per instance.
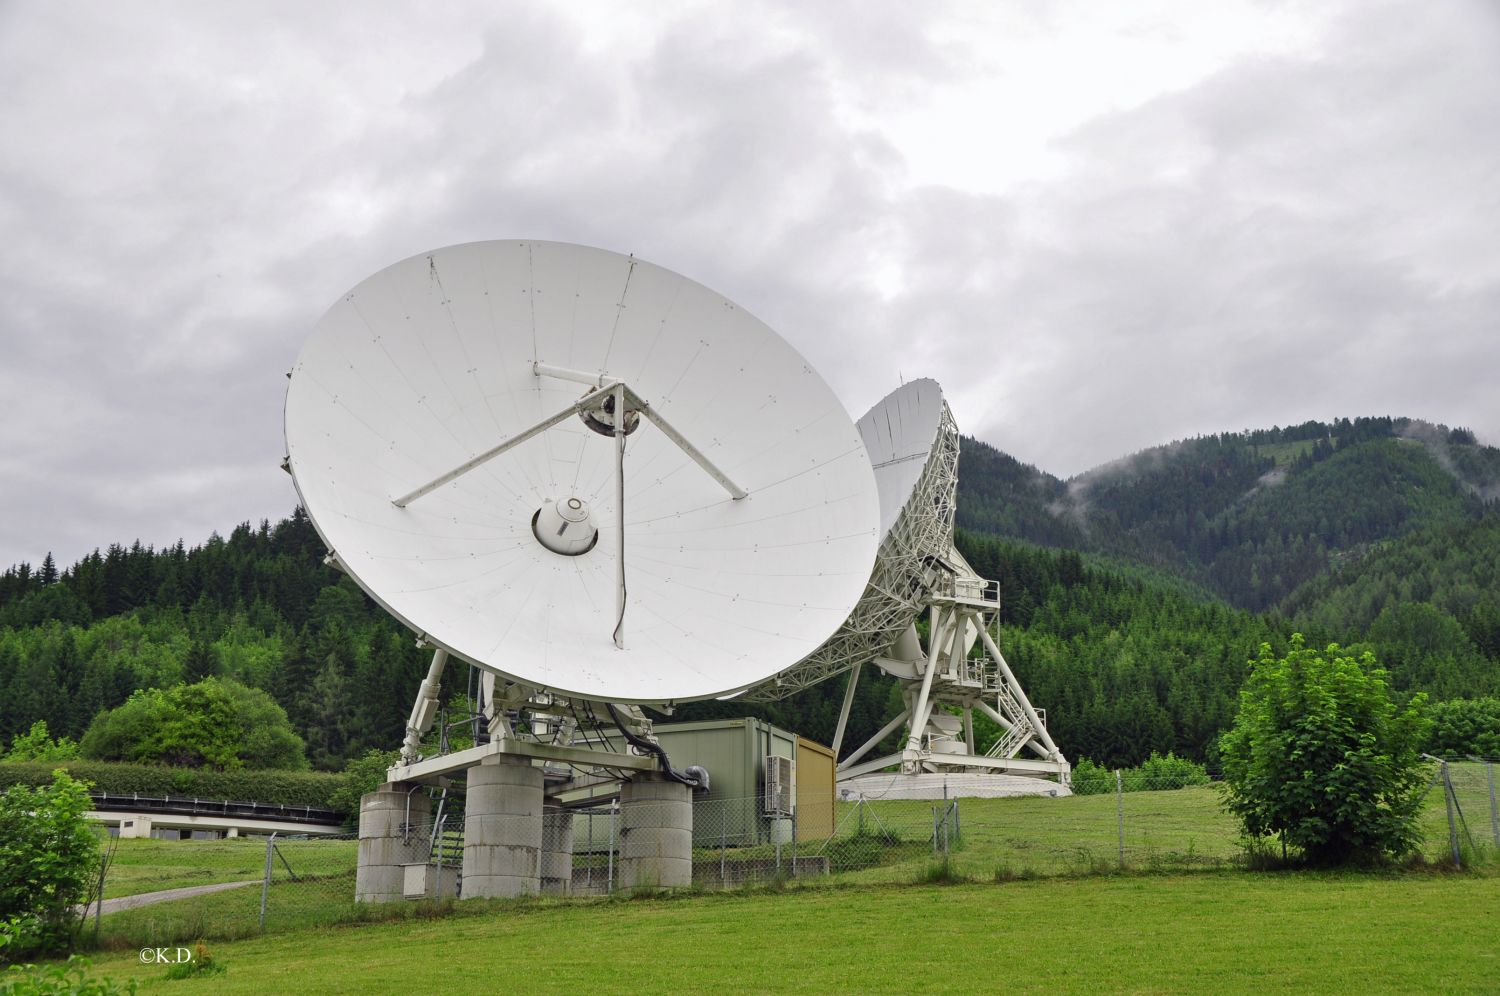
(1461, 814)
(1121, 821)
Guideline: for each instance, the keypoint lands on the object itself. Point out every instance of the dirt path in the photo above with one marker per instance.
(165, 895)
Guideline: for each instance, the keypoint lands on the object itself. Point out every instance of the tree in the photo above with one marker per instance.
(1320, 756)
(48, 575)
(1466, 726)
(200, 662)
(49, 856)
(37, 745)
(215, 724)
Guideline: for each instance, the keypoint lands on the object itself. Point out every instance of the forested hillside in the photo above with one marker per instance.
(259, 607)
(1132, 596)
(1249, 515)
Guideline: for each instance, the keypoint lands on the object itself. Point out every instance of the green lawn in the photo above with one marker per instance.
(148, 865)
(1209, 931)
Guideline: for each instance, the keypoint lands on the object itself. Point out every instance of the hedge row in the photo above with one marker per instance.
(288, 788)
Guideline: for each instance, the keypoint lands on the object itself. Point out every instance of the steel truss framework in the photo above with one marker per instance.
(918, 570)
(945, 687)
(907, 568)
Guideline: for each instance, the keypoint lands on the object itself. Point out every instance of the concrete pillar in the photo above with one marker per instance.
(557, 849)
(656, 833)
(503, 828)
(392, 833)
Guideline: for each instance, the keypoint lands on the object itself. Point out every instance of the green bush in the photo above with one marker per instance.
(212, 724)
(1090, 779)
(37, 745)
(1320, 757)
(288, 788)
(49, 856)
(363, 774)
(1155, 774)
(1159, 772)
(71, 979)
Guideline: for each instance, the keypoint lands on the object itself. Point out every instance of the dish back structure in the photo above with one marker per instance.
(913, 443)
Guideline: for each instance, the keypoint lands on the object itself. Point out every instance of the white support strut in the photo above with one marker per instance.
(644, 407)
(640, 404)
(582, 404)
(423, 710)
(619, 394)
(919, 713)
(838, 734)
(880, 735)
(1020, 694)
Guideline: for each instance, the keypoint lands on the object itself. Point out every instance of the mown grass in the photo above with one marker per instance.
(148, 865)
(1228, 931)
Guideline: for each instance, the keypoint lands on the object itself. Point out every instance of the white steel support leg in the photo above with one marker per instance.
(969, 731)
(423, 710)
(838, 733)
(869, 745)
(990, 711)
(1020, 693)
(619, 392)
(919, 712)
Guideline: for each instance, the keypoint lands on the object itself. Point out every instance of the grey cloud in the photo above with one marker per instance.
(1288, 239)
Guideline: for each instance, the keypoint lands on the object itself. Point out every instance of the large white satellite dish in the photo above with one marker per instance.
(451, 428)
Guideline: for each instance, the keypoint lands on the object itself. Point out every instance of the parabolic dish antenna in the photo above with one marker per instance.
(900, 435)
(451, 426)
(912, 442)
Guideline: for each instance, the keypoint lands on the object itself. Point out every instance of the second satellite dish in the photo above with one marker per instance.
(457, 424)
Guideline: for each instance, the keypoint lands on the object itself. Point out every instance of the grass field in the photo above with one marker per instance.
(146, 865)
(1002, 840)
(1229, 931)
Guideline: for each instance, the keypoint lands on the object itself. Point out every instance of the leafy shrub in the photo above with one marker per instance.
(37, 745)
(1320, 756)
(72, 979)
(216, 724)
(288, 788)
(363, 774)
(48, 859)
(1160, 772)
(1091, 779)
(1157, 773)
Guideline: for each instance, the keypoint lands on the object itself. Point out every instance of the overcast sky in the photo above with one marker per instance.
(1101, 226)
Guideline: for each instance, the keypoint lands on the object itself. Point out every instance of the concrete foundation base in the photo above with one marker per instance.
(503, 829)
(936, 785)
(557, 850)
(656, 833)
(392, 835)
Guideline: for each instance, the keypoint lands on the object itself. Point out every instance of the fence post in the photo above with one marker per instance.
(614, 812)
(1489, 769)
(794, 842)
(1120, 813)
(265, 883)
(1452, 823)
(589, 875)
(723, 850)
